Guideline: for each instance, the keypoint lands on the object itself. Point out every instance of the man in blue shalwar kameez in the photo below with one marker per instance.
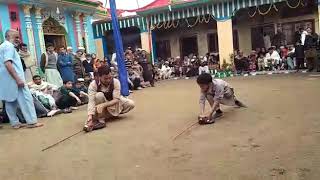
(65, 65)
(13, 89)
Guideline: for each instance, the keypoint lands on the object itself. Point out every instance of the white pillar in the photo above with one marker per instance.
(27, 19)
(78, 29)
(86, 34)
(225, 40)
(40, 30)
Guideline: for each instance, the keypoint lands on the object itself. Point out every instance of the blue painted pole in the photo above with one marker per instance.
(119, 50)
(105, 46)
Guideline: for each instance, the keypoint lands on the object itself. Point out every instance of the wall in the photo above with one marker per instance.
(244, 25)
(174, 35)
(99, 48)
(4, 17)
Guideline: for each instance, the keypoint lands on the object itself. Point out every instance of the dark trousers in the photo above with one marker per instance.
(136, 83)
(66, 101)
(300, 63)
(311, 63)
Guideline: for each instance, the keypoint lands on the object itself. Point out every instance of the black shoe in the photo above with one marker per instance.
(240, 104)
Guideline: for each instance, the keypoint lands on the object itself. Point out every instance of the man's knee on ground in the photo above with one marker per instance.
(130, 104)
(100, 98)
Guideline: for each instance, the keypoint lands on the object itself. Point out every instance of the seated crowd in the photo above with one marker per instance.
(60, 83)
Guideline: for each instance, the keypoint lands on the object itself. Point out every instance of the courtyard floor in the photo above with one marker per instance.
(276, 138)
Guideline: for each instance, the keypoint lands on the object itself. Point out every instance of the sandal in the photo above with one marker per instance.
(36, 125)
(18, 126)
(67, 110)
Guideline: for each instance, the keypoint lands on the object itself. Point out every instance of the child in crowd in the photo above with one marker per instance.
(81, 91)
(252, 61)
(261, 64)
(134, 80)
(67, 100)
(88, 65)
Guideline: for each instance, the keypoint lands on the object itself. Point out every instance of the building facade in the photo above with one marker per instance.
(180, 27)
(62, 23)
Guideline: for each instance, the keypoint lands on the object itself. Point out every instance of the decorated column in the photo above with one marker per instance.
(27, 19)
(40, 30)
(86, 34)
(225, 40)
(78, 29)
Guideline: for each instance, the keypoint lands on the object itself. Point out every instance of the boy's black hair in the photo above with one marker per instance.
(65, 82)
(204, 78)
(36, 76)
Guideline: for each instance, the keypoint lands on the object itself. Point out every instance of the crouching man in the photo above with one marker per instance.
(105, 100)
(216, 92)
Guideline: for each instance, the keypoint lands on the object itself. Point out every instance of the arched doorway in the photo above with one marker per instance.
(54, 33)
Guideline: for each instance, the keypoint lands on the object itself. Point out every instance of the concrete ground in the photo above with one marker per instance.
(276, 138)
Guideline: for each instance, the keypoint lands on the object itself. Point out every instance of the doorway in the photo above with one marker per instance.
(188, 45)
(54, 33)
(58, 41)
(163, 49)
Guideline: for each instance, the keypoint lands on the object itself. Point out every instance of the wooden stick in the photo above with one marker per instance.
(188, 128)
(49, 147)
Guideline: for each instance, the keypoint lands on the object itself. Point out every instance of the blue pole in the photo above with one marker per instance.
(119, 50)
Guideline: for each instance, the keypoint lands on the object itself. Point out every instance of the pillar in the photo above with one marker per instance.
(244, 33)
(27, 19)
(78, 29)
(202, 40)
(318, 19)
(88, 31)
(145, 41)
(225, 39)
(40, 30)
(86, 34)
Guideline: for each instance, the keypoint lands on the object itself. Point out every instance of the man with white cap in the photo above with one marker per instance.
(165, 71)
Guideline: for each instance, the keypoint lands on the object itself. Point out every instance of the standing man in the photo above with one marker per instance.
(15, 92)
(65, 65)
(48, 65)
(217, 92)
(29, 62)
(105, 100)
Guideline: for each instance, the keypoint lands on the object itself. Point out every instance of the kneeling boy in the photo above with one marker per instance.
(217, 92)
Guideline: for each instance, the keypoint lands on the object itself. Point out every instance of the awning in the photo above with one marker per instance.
(220, 10)
(139, 22)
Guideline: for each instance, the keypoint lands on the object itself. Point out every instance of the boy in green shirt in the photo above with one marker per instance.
(67, 100)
